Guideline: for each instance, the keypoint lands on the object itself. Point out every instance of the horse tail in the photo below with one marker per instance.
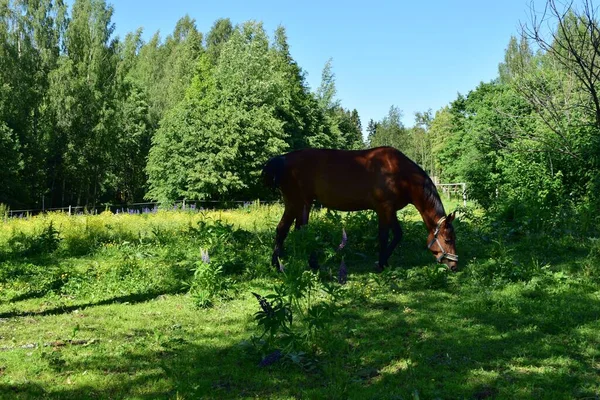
(273, 171)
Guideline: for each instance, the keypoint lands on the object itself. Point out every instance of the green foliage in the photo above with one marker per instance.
(391, 132)
(41, 243)
(208, 284)
(215, 142)
(296, 317)
(4, 212)
(10, 163)
(81, 109)
(216, 38)
(526, 301)
(326, 92)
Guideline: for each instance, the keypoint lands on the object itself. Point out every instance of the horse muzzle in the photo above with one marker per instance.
(451, 261)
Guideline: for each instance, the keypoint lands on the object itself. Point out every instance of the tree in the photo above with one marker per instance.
(440, 130)
(80, 96)
(304, 120)
(326, 93)
(214, 144)
(10, 166)
(183, 49)
(133, 122)
(517, 57)
(148, 71)
(350, 129)
(573, 50)
(391, 132)
(30, 34)
(217, 37)
(371, 131)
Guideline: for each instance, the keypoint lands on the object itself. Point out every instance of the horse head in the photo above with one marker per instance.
(442, 242)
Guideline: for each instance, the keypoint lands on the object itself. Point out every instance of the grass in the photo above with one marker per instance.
(103, 307)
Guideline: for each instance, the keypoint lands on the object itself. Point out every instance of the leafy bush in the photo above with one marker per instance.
(208, 283)
(295, 319)
(234, 250)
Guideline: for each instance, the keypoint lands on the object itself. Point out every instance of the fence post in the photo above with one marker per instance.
(69, 210)
(464, 194)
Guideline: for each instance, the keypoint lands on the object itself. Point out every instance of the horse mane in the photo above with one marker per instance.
(431, 195)
(430, 192)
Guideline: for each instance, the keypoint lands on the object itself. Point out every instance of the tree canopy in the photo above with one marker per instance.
(88, 118)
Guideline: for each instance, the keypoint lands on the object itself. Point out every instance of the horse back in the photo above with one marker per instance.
(350, 180)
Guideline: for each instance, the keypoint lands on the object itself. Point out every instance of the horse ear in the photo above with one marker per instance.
(451, 216)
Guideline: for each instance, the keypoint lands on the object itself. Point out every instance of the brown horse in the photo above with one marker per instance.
(381, 179)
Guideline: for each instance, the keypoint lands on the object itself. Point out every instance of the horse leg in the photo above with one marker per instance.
(397, 234)
(302, 215)
(281, 233)
(384, 233)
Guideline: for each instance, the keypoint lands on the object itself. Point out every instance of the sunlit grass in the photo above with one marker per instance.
(106, 313)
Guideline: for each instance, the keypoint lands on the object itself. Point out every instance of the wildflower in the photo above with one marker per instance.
(264, 304)
(343, 273)
(271, 358)
(204, 255)
(344, 240)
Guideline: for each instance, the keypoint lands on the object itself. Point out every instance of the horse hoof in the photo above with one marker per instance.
(275, 262)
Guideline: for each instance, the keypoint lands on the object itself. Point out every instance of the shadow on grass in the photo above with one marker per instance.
(130, 298)
(442, 345)
(33, 294)
(433, 344)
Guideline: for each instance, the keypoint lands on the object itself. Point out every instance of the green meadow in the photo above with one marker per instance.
(161, 305)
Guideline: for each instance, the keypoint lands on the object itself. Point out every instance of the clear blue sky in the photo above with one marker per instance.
(415, 55)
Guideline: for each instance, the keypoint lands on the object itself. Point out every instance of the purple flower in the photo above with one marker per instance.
(264, 304)
(204, 255)
(344, 240)
(343, 273)
(271, 358)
